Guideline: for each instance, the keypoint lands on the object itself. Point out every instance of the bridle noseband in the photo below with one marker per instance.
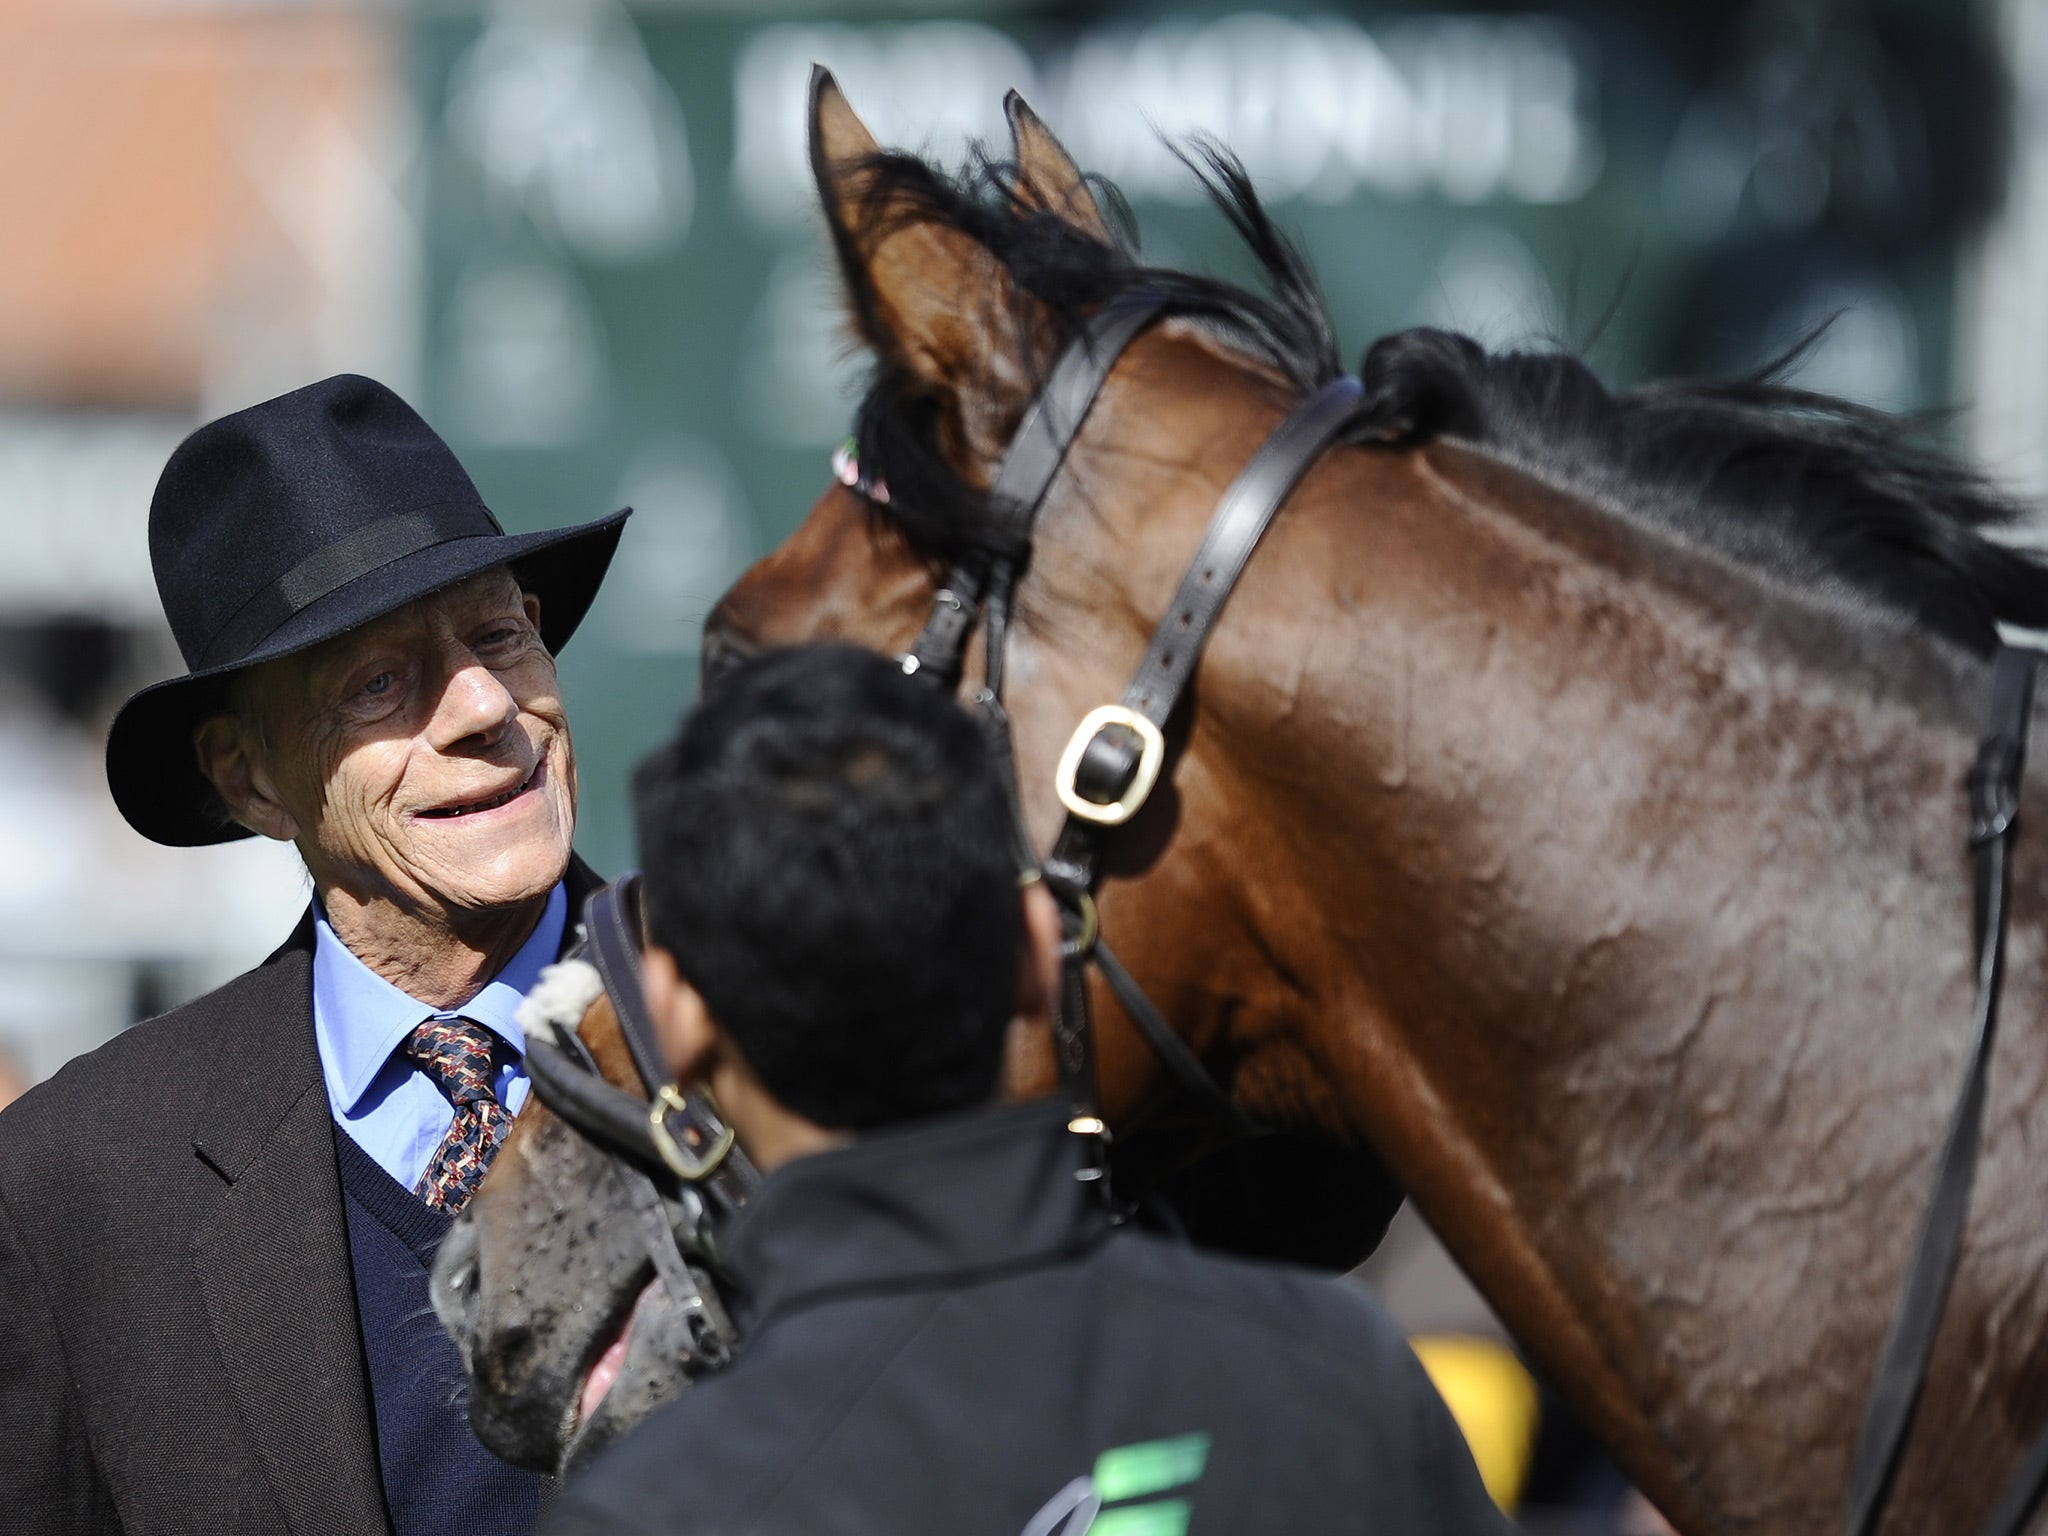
(683, 1174)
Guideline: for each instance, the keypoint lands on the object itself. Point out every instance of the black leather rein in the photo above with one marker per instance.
(1994, 791)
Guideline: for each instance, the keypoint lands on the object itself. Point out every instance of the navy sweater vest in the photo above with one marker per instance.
(438, 1480)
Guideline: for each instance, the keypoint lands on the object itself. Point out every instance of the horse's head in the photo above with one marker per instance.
(966, 292)
(546, 1285)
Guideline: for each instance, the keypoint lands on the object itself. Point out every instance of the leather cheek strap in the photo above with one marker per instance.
(1026, 473)
(1248, 507)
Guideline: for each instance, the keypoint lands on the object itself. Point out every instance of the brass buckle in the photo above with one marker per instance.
(1151, 753)
(690, 1167)
(1082, 944)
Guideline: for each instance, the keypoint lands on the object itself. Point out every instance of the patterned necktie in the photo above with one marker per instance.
(456, 1054)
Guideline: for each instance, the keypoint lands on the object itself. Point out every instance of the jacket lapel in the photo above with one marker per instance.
(272, 1259)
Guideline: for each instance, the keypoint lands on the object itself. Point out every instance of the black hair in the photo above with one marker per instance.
(826, 853)
(1813, 491)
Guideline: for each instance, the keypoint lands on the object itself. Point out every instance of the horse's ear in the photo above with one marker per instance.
(929, 298)
(1047, 177)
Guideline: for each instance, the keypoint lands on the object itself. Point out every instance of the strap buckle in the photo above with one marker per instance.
(1094, 1131)
(689, 1165)
(1077, 946)
(1142, 775)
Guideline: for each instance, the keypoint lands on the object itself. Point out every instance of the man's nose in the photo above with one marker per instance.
(475, 702)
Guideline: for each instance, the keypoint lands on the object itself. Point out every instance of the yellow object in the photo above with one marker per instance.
(690, 1166)
(1494, 1400)
(1151, 753)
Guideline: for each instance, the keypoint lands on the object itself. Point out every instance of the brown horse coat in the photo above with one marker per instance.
(1608, 879)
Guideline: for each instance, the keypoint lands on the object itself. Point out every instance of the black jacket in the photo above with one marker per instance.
(945, 1335)
(179, 1350)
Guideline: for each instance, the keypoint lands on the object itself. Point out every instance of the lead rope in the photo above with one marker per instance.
(1994, 791)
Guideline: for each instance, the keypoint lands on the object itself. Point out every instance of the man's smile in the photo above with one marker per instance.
(492, 802)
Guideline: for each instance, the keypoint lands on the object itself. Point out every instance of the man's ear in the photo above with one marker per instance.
(233, 761)
(928, 298)
(1038, 964)
(688, 1034)
(1028, 1053)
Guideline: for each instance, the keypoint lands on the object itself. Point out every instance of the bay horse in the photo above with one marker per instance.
(1569, 807)
(1567, 810)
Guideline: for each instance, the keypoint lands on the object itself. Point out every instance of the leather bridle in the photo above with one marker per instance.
(1116, 755)
(683, 1173)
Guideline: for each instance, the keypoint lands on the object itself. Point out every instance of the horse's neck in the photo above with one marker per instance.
(1639, 922)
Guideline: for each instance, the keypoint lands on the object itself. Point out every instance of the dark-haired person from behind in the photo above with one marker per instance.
(944, 1332)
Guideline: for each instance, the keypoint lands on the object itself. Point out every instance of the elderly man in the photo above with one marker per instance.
(214, 1232)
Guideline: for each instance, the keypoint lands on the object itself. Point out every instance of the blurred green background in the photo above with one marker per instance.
(579, 234)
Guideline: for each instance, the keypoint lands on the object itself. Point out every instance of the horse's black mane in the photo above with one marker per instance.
(1818, 492)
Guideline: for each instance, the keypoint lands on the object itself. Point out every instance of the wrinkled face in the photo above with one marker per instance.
(545, 1284)
(425, 758)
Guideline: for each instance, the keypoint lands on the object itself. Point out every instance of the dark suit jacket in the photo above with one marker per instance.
(179, 1350)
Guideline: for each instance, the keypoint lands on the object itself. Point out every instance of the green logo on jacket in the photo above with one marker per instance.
(1132, 1479)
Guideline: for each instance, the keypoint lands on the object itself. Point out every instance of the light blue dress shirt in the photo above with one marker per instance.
(393, 1110)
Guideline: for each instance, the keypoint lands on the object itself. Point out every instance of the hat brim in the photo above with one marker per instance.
(151, 767)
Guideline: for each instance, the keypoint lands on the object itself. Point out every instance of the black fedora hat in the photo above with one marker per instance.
(290, 523)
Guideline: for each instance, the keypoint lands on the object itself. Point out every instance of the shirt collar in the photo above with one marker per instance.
(360, 1018)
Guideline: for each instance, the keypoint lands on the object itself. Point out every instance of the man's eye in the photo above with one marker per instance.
(380, 685)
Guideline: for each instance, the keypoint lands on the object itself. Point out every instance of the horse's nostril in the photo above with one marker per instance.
(452, 1284)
